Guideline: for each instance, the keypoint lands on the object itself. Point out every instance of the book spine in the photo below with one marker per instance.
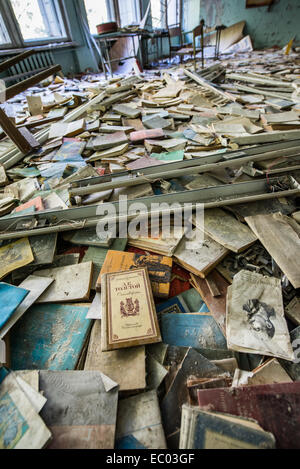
(104, 324)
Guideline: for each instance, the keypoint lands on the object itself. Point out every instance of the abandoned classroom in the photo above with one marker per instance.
(149, 224)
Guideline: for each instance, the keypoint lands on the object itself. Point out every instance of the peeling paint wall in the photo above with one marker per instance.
(266, 28)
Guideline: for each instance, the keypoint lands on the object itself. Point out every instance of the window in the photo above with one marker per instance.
(31, 22)
(38, 19)
(165, 13)
(4, 36)
(174, 12)
(157, 11)
(97, 13)
(129, 12)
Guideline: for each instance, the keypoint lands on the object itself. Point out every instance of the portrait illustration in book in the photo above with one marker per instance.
(259, 315)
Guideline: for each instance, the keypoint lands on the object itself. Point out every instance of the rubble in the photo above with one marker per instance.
(226, 137)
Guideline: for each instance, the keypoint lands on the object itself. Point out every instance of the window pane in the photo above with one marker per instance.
(173, 12)
(157, 11)
(97, 13)
(38, 19)
(4, 37)
(129, 12)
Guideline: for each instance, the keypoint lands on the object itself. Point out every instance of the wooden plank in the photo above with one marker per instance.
(14, 60)
(32, 81)
(24, 141)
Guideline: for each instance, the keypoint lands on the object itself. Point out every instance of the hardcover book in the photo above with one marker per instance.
(193, 364)
(81, 409)
(255, 321)
(20, 425)
(159, 268)
(212, 430)
(10, 299)
(276, 407)
(197, 330)
(128, 310)
(139, 424)
(49, 337)
(113, 363)
(200, 259)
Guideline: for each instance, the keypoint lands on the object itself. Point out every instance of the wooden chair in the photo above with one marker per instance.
(174, 32)
(197, 32)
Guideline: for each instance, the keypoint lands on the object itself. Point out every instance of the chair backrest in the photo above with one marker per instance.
(198, 30)
(175, 31)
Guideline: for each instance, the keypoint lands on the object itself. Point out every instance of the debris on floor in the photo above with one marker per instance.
(119, 327)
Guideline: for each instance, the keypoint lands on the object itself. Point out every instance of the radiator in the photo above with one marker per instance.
(27, 67)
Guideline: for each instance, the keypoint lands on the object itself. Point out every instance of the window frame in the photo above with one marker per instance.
(15, 34)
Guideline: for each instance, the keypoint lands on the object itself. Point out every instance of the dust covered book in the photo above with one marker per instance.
(159, 268)
(128, 310)
(255, 321)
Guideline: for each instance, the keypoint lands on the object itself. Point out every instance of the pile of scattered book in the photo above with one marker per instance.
(154, 341)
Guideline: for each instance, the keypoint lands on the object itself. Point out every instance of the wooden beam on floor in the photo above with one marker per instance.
(14, 60)
(22, 138)
(32, 81)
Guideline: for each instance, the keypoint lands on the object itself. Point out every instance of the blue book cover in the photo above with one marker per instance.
(193, 300)
(129, 442)
(3, 373)
(196, 330)
(173, 305)
(49, 337)
(70, 151)
(10, 298)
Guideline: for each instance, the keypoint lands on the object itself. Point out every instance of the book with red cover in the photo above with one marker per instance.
(276, 407)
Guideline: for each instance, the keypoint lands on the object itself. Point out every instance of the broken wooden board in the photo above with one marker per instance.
(193, 364)
(115, 362)
(71, 283)
(280, 235)
(226, 230)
